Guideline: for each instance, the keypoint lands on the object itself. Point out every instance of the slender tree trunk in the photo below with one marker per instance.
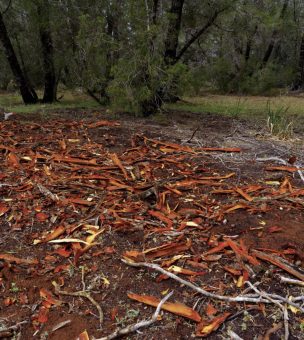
(174, 27)
(112, 17)
(172, 55)
(50, 83)
(155, 11)
(299, 82)
(28, 94)
(273, 39)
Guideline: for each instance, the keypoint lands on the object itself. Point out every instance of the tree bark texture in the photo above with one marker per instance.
(50, 83)
(28, 94)
(299, 82)
(174, 26)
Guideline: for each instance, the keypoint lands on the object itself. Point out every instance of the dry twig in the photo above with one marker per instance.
(81, 294)
(283, 308)
(292, 281)
(138, 325)
(240, 298)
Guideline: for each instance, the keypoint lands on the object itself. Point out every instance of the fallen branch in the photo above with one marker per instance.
(291, 281)
(240, 298)
(81, 293)
(141, 324)
(283, 308)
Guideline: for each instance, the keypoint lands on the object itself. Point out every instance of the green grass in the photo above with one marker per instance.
(241, 106)
(248, 107)
(71, 100)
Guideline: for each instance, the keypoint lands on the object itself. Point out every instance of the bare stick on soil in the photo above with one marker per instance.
(280, 160)
(81, 293)
(240, 298)
(292, 281)
(141, 324)
(283, 308)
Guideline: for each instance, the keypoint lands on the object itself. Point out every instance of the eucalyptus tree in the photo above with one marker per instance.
(254, 47)
(136, 54)
(158, 37)
(28, 93)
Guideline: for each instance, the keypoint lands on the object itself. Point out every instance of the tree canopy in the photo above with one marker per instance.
(136, 54)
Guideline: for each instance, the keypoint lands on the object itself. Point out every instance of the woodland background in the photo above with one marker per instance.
(138, 54)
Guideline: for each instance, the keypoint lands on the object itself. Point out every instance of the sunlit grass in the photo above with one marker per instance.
(241, 106)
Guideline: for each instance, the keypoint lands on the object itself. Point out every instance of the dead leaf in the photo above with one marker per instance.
(42, 217)
(84, 336)
(63, 251)
(8, 301)
(49, 298)
(3, 208)
(42, 315)
(13, 160)
(283, 168)
(211, 310)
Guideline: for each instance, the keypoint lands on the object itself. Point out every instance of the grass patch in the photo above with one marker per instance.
(244, 106)
(12, 102)
(279, 122)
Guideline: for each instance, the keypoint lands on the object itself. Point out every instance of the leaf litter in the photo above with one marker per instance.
(71, 208)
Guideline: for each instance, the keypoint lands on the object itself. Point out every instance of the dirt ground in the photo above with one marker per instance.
(80, 191)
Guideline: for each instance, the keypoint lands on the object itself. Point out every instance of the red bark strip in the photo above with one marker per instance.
(281, 263)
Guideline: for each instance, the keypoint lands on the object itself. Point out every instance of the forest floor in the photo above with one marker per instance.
(210, 199)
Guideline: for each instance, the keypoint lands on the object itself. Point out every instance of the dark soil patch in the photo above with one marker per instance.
(133, 193)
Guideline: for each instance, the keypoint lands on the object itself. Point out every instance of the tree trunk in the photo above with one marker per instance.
(155, 11)
(28, 94)
(50, 83)
(171, 54)
(111, 29)
(171, 43)
(273, 39)
(299, 82)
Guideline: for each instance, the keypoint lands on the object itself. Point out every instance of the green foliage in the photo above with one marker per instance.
(14, 288)
(137, 82)
(264, 80)
(220, 74)
(116, 48)
(91, 58)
